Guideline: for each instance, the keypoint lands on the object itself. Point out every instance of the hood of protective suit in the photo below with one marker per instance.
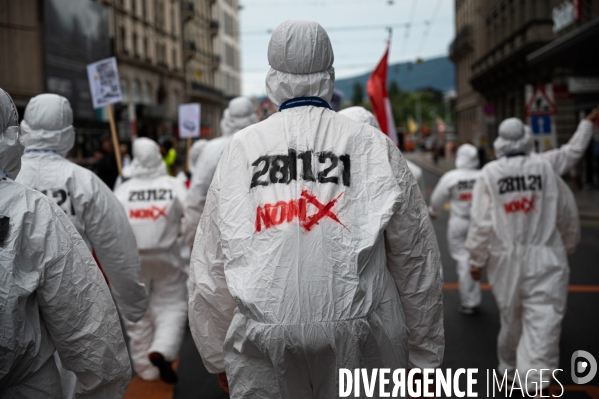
(239, 114)
(467, 157)
(360, 114)
(301, 62)
(11, 146)
(48, 124)
(513, 138)
(147, 160)
(196, 150)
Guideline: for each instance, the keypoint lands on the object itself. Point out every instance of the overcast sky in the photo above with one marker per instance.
(357, 50)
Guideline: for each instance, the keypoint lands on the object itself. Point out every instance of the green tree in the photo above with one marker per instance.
(358, 94)
(393, 90)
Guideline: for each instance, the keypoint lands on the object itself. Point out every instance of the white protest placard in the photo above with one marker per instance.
(189, 120)
(104, 82)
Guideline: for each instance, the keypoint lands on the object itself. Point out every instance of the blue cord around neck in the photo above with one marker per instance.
(41, 151)
(304, 101)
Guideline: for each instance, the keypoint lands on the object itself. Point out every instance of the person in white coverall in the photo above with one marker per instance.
(456, 187)
(524, 222)
(315, 250)
(239, 114)
(54, 297)
(91, 206)
(362, 115)
(153, 201)
(196, 151)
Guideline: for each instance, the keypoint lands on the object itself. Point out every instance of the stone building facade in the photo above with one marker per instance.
(464, 51)
(227, 46)
(148, 44)
(200, 29)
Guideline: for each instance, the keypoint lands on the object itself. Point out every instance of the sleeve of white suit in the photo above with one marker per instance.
(568, 223)
(79, 313)
(414, 262)
(565, 157)
(481, 224)
(440, 195)
(211, 305)
(203, 173)
(112, 238)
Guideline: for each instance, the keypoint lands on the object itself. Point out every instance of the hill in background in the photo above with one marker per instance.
(437, 73)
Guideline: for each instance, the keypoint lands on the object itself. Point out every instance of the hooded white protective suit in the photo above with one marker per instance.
(361, 114)
(94, 210)
(239, 115)
(196, 150)
(315, 250)
(456, 187)
(154, 202)
(52, 294)
(524, 220)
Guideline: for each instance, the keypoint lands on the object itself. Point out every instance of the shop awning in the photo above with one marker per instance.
(577, 49)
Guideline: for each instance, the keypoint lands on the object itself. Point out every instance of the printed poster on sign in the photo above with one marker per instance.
(104, 82)
(189, 120)
(540, 108)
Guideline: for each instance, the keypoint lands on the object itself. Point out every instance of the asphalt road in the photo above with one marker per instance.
(470, 340)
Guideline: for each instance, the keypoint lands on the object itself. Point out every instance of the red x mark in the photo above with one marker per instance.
(323, 211)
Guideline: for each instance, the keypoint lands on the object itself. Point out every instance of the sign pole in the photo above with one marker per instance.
(115, 139)
(187, 166)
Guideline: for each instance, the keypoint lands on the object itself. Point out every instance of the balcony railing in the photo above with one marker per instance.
(461, 44)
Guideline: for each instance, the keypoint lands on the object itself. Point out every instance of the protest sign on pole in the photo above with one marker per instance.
(189, 124)
(105, 88)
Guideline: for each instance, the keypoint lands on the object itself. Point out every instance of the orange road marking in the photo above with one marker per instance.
(572, 288)
(140, 389)
(592, 391)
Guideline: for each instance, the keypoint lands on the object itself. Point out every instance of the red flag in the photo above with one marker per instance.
(377, 91)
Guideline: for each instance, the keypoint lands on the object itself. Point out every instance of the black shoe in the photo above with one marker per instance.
(167, 374)
(467, 311)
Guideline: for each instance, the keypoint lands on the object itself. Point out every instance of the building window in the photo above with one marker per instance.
(146, 49)
(125, 90)
(173, 22)
(229, 25)
(135, 46)
(159, 14)
(134, 7)
(174, 55)
(175, 100)
(229, 55)
(144, 8)
(123, 39)
(135, 96)
(147, 93)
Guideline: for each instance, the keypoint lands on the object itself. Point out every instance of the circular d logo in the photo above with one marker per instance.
(582, 362)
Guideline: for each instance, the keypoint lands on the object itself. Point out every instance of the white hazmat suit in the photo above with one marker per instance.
(196, 151)
(315, 250)
(52, 294)
(524, 220)
(361, 114)
(456, 187)
(90, 205)
(154, 202)
(239, 114)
